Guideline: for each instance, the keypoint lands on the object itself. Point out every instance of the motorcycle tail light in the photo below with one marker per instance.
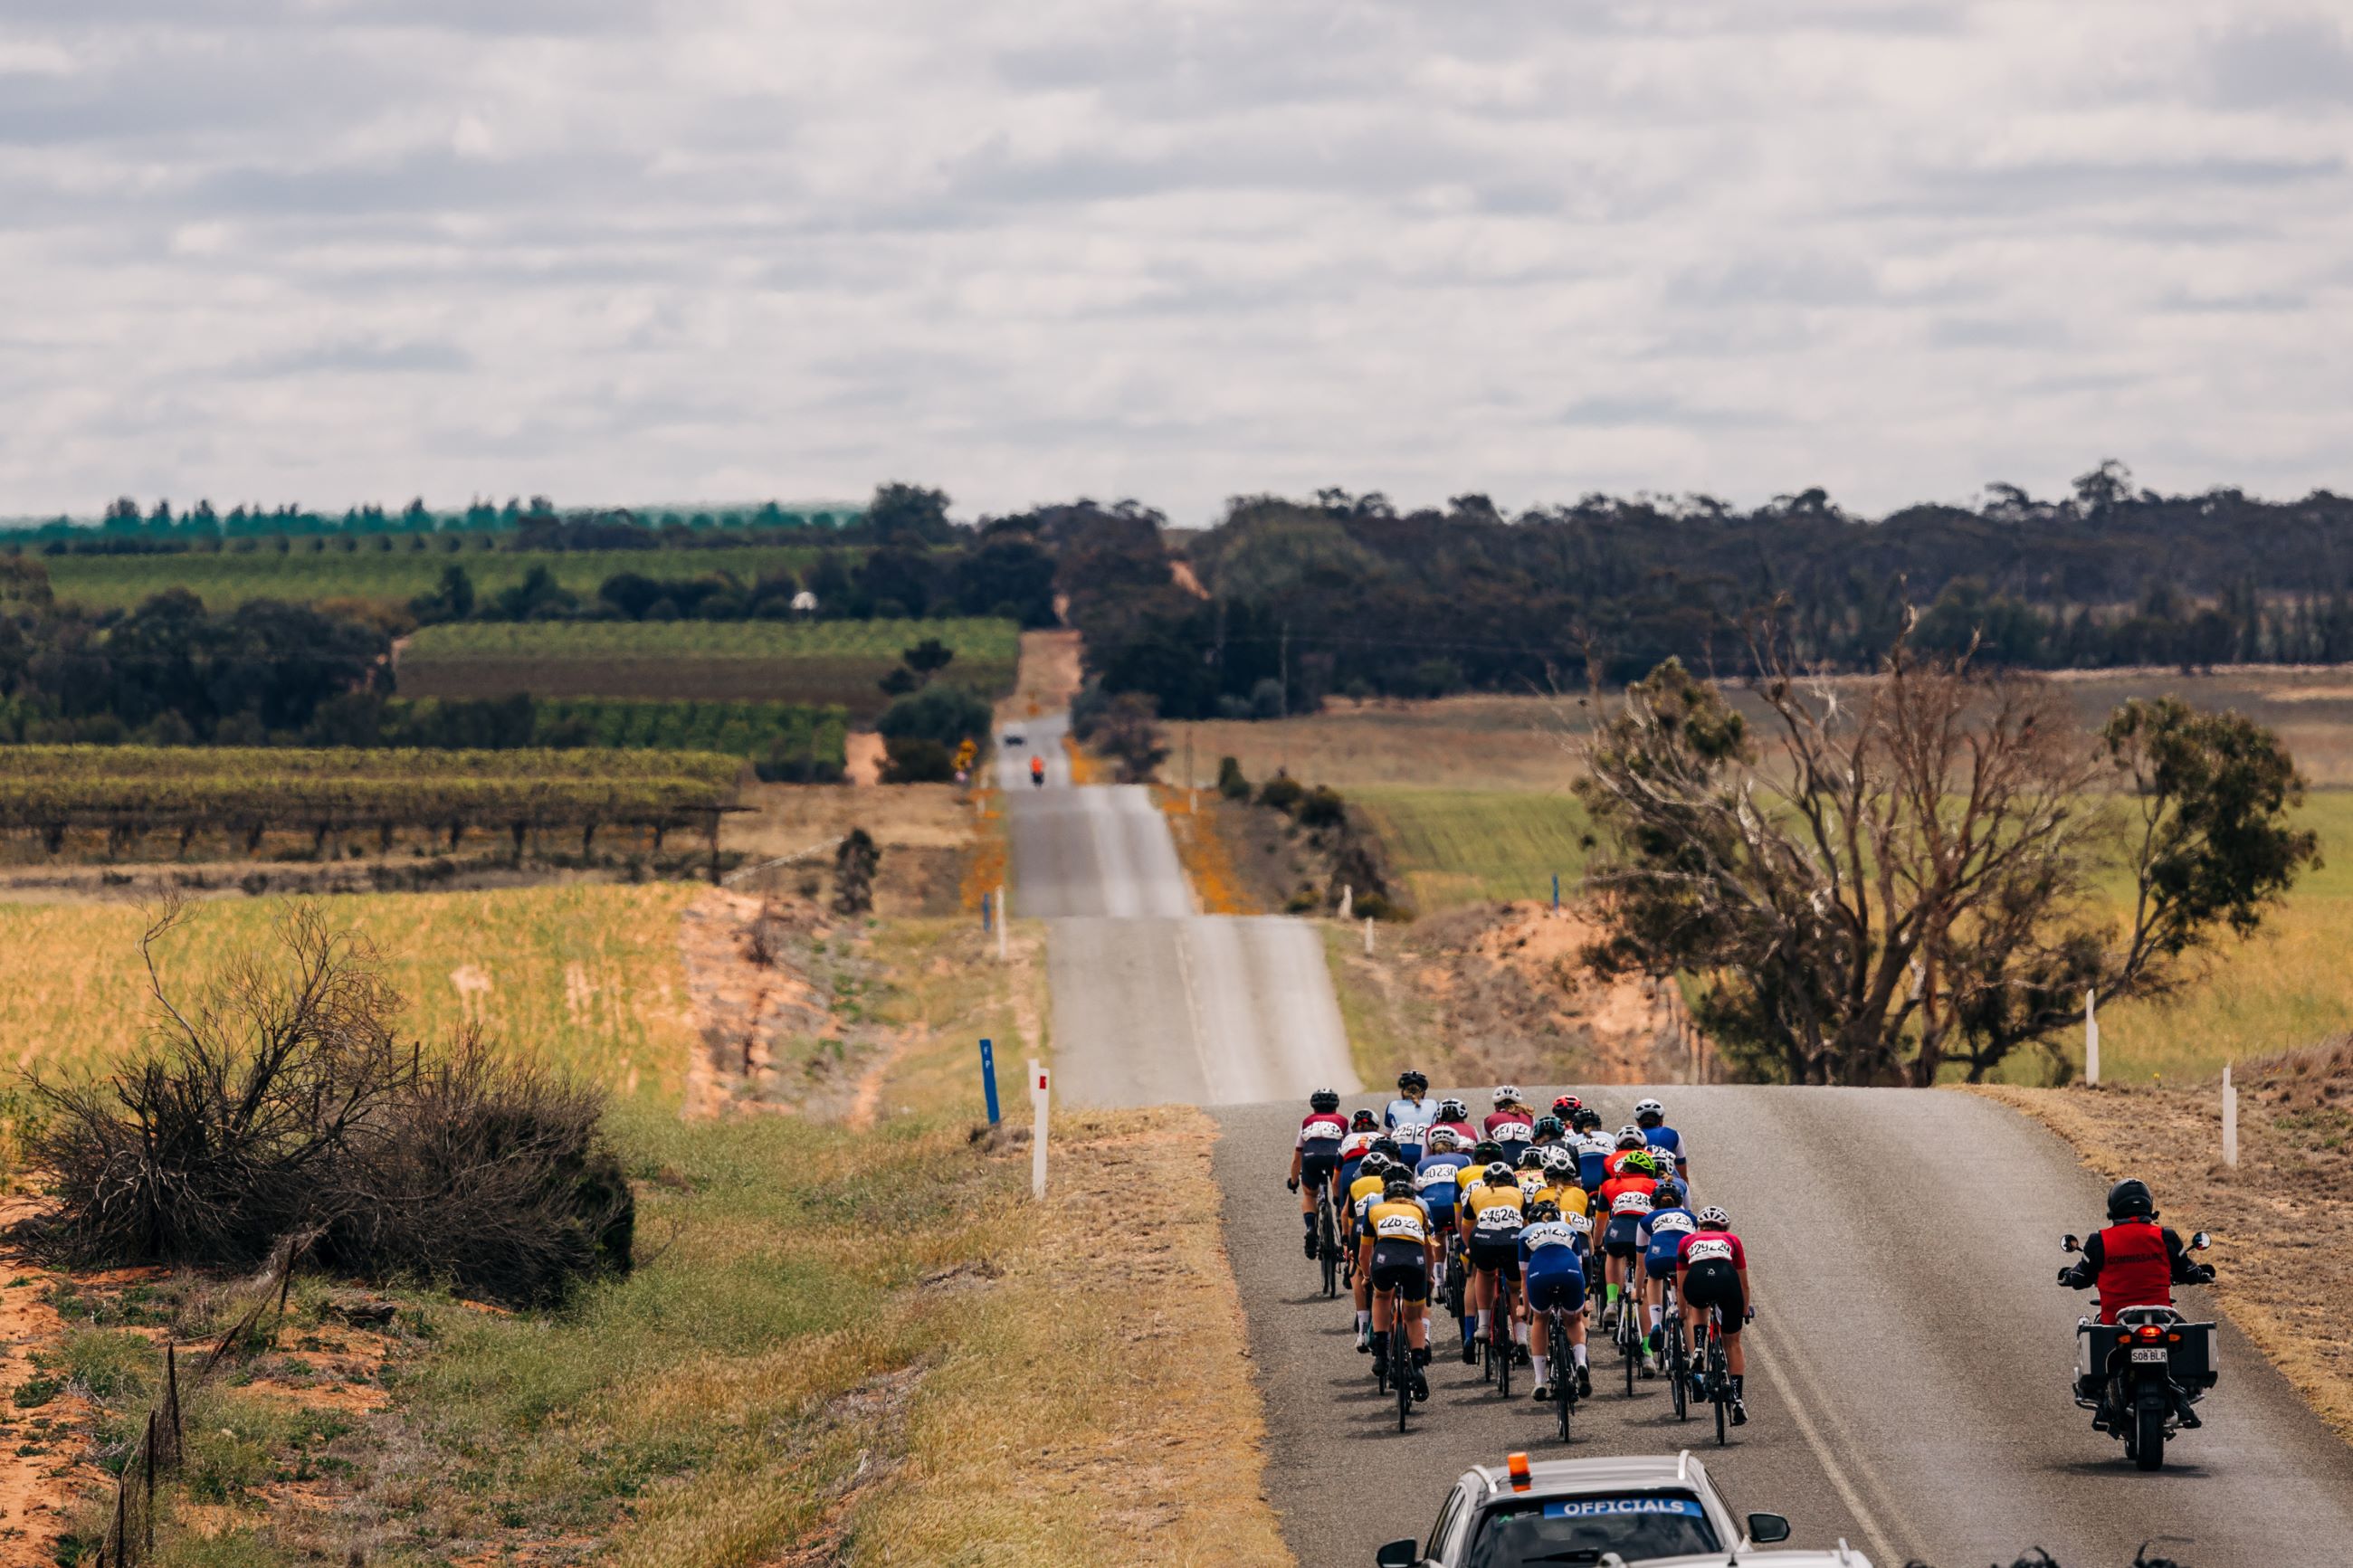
(2150, 1330)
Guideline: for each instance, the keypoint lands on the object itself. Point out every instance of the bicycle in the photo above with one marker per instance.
(1677, 1358)
(1458, 1267)
(1715, 1373)
(1628, 1335)
(1393, 1372)
(1498, 1344)
(1564, 1373)
(1328, 1241)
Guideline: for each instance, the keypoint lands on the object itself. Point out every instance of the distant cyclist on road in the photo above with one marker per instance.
(1712, 1270)
(1408, 1117)
(1316, 1155)
(1651, 1118)
(1398, 1253)
(1552, 1260)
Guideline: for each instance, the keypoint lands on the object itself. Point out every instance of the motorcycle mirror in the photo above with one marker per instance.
(2068, 1243)
(2201, 1242)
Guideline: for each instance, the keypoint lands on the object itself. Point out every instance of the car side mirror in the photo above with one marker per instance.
(1765, 1528)
(2201, 1242)
(1399, 1554)
(2069, 1244)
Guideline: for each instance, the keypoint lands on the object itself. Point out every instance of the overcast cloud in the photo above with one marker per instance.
(622, 250)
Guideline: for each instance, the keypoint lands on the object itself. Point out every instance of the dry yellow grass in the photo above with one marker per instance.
(1209, 865)
(586, 975)
(1454, 742)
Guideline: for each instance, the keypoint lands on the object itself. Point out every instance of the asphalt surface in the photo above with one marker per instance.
(1908, 1371)
(1154, 1003)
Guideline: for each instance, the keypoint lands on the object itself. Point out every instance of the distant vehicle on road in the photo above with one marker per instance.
(1636, 1509)
(1016, 738)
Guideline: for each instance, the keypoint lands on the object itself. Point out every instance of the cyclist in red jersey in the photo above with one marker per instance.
(1712, 1270)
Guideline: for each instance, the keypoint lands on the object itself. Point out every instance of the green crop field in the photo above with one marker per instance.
(396, 575)
(1462, 847)
(814, 662)
(756, 730)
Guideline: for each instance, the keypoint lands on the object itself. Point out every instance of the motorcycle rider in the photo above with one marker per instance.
(2135, 1262)
(1037, 772)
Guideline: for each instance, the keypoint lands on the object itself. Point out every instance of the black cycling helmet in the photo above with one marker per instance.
(1324, 1099)
(1666, 1196)
(1588, 1119)
(1410, 1081)
(2130, 1197)
(1364, 1121)
(1486, 1150)
(1549, 1127)
(1375, 1165)
(1398, 1188)
(1498, 1173)
(1543, 1209)
(1387, 1147)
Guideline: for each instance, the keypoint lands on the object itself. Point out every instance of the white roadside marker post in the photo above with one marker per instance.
(2091, 1039)
(1038, 1077)
(1368, 936)
(2230, 1119)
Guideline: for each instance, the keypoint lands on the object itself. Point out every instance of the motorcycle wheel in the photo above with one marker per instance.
(2148, 1438)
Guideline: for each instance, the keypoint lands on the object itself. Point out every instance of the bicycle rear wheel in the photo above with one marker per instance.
(1401, 1370)
(1679, 1367)
(1629, 1337)
(1503, 1343)
(1327, 1246)
(1719, 1385)
(1564, 1375)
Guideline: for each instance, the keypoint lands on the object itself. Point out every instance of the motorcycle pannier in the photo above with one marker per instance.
(2190, 1360)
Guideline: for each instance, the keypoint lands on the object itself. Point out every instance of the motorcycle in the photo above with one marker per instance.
(2143, 1375)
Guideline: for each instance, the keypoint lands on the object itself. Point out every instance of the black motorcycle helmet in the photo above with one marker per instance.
(1324, 1099)
(2130, 1199)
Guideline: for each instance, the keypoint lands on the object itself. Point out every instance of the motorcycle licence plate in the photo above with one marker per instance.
(2154, 1354)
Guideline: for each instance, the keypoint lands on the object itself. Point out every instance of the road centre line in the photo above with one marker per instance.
(1882, 1547)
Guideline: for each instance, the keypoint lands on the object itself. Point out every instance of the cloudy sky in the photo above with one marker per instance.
(643, 250)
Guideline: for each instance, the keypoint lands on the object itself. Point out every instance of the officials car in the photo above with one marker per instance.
(1635, 1509)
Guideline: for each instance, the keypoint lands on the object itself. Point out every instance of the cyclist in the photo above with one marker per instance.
(1624, 1198)
(1547, 1131)
(1712, 1270)
(1492, 1213)
(1509, 1112)
(1316, 1155)
(1552, 1260)
(1528, 1171)
(1363, 1128)
(1662, 1233)
(1566, 1106)
(1651, 1118)
(1408, 1116)
(1396, 1257)
(1593, 1147)
(1371, 1182)
(1456, 1116)
(1439, 1179)
(1563, 1188)
(1629, 1139)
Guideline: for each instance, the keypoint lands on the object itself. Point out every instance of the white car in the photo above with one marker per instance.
(1651, 1510)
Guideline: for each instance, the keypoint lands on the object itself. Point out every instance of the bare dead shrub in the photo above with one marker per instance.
(279, 1103)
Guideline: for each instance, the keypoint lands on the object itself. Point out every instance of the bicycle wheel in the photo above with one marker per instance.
(1327, 1246)
(1719, 1385)
(1503, 1343)
(1629, 1337)
(1401, 1370)
(1678, 1367)
(1564, 1375)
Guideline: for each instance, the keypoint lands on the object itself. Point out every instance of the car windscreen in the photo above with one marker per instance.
(1633, 1525)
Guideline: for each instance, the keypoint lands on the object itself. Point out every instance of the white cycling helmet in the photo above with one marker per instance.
(1498, 1174)
(1715, 1218)
(1559, 1161)
(1506, 1093)
(1649, 1108)
(1630, 1137)
(1441, 1140)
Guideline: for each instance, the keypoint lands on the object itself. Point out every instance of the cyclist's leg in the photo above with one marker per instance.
(1383, 1313)
(1363, 1292)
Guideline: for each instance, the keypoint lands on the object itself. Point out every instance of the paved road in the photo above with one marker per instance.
(1154, 1003)
(1908, 1374)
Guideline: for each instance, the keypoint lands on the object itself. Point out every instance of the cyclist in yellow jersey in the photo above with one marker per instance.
(1399, 1250)
(1372, 1176)
(1493, 1211)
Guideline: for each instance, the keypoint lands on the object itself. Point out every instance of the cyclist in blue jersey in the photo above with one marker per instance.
(1552, 1262)
(1593, 1147)
(1409, 1115)
(1651, 1118)
(1660, 1236)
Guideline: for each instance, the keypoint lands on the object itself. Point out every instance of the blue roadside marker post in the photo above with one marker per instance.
(988, 1077)
(985, 922)
(1555, 892)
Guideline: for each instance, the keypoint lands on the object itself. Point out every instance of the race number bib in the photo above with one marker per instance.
(1399, 1227)
(1324, 1129)
(1708, 1249)
(1672, 1224)
(1531, 1183)
(1500, 1217)
(1512, 1133)
(1631, 1203)
(1439, 1176)
(1550, 1232)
